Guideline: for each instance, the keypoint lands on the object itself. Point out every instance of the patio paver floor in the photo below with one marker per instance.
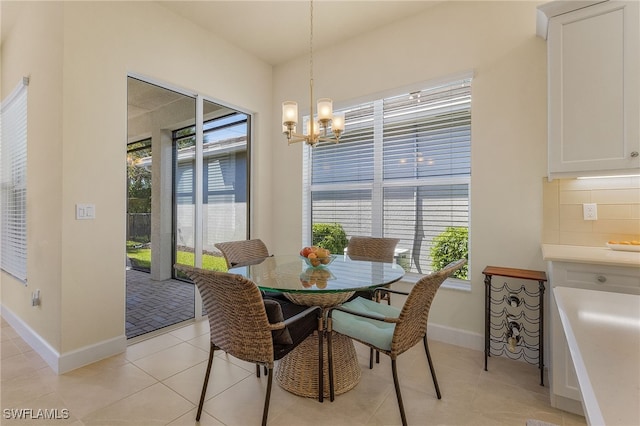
(152, 304)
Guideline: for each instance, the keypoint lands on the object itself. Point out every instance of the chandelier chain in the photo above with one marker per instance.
(316, 127)
(311, 40)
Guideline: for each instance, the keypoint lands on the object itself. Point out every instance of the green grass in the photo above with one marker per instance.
(142, 256)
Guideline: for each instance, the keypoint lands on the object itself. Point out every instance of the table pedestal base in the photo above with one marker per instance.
(326, 300)
(298, 371)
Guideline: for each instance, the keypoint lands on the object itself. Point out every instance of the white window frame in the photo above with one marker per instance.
(378, 185)
(13, 160)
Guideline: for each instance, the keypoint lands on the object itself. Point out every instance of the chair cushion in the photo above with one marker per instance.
(367, 294)
(270, 294)
(274, 315)
(376, 333)
(299, 330)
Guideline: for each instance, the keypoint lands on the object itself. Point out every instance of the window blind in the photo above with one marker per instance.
(13, 154)
(418, 214)
(402, 169)
(352, 159)
(350, 208)
(428, 133)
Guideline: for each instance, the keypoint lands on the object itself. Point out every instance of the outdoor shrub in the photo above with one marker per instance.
(330, 236)
(451, 245)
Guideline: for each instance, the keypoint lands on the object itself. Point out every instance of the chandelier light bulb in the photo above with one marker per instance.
(313, 127)
(325, 109)
(290, 112)
(337, 123)
(316, 128)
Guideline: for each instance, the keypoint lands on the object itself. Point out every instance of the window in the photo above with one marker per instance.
(402, 169)
(13, 154)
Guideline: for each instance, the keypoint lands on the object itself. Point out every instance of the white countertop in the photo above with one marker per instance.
(603, 335)
(594, 255)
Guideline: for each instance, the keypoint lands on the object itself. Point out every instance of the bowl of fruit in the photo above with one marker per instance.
(317, 257)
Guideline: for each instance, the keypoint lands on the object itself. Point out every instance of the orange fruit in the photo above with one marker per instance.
(306, 284)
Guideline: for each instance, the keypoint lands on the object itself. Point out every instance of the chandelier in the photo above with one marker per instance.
(326, 119)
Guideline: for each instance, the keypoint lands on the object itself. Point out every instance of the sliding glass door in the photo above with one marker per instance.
(187, 176)
(211, 185)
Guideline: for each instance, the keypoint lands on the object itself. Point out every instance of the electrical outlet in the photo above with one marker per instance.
(590, 211)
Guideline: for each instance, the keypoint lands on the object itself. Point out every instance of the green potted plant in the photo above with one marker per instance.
(330, 236)
(451, 245)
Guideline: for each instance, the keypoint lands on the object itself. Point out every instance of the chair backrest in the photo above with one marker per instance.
(414, 315)
(244, 333)
(241, 253)
(375, 249)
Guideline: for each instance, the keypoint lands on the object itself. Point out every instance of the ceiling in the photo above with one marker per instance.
(274, 31)
(145, 97)
(278, 31)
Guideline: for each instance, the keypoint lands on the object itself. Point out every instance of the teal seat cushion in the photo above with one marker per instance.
(376, 333)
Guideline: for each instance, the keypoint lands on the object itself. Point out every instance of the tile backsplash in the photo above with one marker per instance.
(618, 210)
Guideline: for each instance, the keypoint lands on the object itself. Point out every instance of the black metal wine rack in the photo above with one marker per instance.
(514, 317)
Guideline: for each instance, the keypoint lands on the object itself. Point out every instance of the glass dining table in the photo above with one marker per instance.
(326, 286)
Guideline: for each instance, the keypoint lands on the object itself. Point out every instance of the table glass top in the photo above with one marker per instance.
(292, 274)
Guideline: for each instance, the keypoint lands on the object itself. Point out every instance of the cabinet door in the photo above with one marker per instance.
(594, 94)
(564, 380)
(565, 390)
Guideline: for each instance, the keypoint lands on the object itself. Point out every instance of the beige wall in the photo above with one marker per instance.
(509, 126)
(34, 48)
(78, 55)
(618, 203)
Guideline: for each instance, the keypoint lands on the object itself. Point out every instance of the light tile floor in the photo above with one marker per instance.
(157, 382)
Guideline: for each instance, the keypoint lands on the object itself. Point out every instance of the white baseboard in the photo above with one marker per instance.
(33, 339)
(455, 336)
(566, 404)
(89, 354)
(442, 333)
(62, 363)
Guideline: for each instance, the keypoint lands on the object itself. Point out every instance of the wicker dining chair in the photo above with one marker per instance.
(262, 332)
(388, 329)
(243, 252)
(374, 249)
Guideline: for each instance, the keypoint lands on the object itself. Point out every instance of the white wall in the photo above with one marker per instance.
(495, 39)
(79, 55)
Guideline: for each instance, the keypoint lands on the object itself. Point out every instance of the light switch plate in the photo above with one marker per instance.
(85, 211)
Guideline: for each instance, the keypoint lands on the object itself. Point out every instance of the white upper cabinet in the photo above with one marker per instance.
(594, 94)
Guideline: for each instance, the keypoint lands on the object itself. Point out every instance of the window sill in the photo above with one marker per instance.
(450, 283)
